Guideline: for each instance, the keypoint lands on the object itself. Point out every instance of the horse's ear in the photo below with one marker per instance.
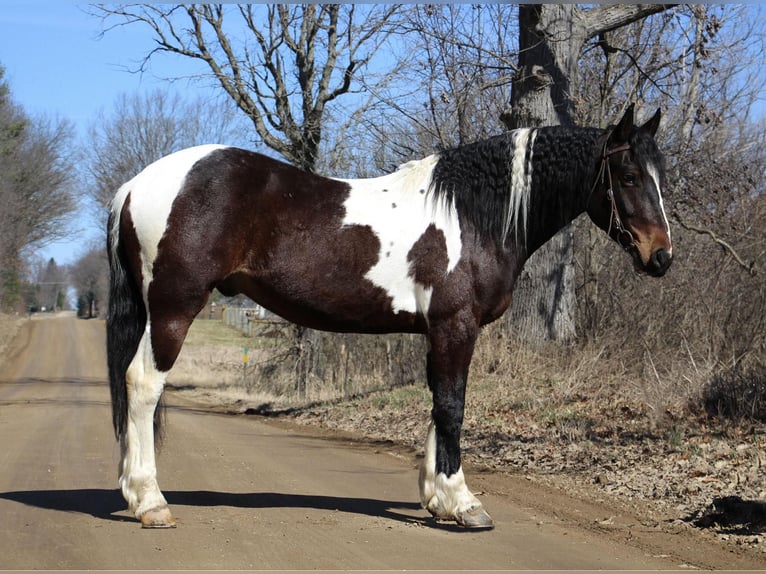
(621, 133)
(654, 123)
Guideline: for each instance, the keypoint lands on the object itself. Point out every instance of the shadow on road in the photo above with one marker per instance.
(100, 503)
(103, 503)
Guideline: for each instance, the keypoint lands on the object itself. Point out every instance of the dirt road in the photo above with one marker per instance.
(254, 494)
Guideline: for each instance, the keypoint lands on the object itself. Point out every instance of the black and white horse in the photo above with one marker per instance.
(433, 248)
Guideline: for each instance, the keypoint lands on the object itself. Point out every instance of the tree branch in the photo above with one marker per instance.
(750, 268)
(612, 16)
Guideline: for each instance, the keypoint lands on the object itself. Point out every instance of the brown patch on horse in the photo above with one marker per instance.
(428, 257)
(128, 241)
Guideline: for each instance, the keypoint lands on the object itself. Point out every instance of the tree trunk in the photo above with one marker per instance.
(544, 304)
(548, 46)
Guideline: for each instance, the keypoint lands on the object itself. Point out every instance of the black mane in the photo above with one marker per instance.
(475, 178)
(478, 179)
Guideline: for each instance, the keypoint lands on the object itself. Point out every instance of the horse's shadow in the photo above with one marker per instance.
(105, 504)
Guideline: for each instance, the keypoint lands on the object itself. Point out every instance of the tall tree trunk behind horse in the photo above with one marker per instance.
(543, 305)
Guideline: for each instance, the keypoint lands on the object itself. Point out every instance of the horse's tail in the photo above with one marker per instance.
(125, 323)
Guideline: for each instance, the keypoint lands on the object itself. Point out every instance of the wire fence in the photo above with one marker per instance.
(249, 319)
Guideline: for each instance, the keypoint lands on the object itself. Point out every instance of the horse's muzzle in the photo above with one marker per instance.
(659, 262)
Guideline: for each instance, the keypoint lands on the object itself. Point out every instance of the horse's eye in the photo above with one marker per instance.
(629, 178)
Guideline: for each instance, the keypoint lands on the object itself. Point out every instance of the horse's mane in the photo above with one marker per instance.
(493, 182)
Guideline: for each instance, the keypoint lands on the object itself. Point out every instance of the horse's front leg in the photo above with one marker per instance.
(443, 491)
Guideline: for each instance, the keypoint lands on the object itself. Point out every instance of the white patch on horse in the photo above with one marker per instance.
(654, 174)
(521, 180)
(138, 468)
(445, 497)
(399, 208)
(152, 193)
(427, 477)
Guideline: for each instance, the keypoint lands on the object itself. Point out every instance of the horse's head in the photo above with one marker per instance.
(626, 197)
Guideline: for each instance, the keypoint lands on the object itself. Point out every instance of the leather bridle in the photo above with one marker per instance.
(624, 236)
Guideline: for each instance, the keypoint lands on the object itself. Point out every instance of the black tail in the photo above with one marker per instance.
(125, 325)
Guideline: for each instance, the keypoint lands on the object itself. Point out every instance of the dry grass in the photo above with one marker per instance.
(9, 325)
(211, 368)
(214, 334)
(579, 392)
(594, 390)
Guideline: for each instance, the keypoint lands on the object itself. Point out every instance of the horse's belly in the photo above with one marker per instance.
(354, 307)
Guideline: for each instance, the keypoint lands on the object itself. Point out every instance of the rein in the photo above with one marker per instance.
(624, 236)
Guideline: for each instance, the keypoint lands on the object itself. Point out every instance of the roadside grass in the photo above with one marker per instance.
(211, 333)
(9, 325)
(570, 393)
(216, 333)
(574, 394)
(401, 397)
(211, 367)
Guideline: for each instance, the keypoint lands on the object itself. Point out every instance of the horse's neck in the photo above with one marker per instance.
(562, 175)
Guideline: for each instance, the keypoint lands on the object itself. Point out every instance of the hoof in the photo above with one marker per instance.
(472, 519)
(475, 519)
(158, 518)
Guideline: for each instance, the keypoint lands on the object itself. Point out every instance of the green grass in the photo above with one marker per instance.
(213, 333)
(204, 332)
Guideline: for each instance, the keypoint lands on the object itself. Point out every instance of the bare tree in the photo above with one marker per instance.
(707, 320)
(701, 65)
(466, 69)
(452, 81)
(90, 279)
(36, 199)
(551, 41)
(141, 129)
(284, 72)
(50, 281)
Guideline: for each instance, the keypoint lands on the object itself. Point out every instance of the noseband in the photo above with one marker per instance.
(624, 236)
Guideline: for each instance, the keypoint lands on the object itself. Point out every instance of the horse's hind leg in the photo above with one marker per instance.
(443, 491)
(146, 375)
(138, 470)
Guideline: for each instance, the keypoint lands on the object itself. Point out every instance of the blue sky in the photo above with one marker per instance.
(57, 65)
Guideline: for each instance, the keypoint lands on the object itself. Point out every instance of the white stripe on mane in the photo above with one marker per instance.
(521, 181)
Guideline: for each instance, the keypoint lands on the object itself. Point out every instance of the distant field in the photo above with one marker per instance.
(210, 366)
(265, 334)
(214, 333)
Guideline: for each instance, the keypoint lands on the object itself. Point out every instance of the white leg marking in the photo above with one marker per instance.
(138, 470)
(427, 478)
(446, 498)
